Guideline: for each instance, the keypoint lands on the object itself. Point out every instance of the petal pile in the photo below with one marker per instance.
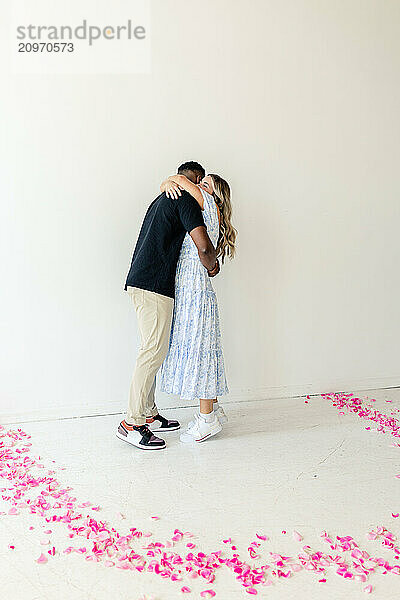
(32, 489)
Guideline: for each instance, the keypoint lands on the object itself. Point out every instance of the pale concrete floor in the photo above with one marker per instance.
(278, 465)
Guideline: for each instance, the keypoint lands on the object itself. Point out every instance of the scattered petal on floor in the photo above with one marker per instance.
(297, 536)
(368, 589)
(42, 558)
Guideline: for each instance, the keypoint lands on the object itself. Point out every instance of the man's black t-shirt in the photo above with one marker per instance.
(159, 243)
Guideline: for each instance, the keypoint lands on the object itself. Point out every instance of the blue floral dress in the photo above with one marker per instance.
(194, 366)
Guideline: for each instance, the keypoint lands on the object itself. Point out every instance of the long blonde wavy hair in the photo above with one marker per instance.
(227, 233)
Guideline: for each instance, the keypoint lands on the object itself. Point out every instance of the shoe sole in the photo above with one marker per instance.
(203, 439)
(124, 439)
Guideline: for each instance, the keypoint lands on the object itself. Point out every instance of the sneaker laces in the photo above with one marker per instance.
(145, 431)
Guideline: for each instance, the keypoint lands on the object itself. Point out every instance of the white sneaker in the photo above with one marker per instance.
(221, 415)
(200, 430)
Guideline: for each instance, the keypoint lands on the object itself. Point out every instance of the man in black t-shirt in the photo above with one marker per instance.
(151, 284)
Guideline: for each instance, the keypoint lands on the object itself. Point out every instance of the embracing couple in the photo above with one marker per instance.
(185, 231)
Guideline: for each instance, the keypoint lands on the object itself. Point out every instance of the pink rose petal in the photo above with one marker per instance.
(251, 591)
(185, 589)
(207, 594)
(395, 515)
(297, 536)
(42, 559)
(368, 589)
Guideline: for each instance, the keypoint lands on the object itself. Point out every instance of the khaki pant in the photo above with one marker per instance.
(154, 314)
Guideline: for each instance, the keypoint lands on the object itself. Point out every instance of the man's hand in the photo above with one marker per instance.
(172, 189)
(215, 270)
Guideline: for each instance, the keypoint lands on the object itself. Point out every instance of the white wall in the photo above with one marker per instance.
(296, 104)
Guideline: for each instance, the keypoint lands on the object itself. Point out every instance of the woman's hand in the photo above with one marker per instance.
(171, 188)
(184, 183)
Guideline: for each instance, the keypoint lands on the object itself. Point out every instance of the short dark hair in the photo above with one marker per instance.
(191, 167)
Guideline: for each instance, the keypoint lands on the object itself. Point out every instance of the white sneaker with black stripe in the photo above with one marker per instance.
(200, 430)
(139, 436)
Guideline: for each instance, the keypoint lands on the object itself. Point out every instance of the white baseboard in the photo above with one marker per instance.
(85, 409)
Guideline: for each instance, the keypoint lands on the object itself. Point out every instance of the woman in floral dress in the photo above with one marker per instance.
(194, 367)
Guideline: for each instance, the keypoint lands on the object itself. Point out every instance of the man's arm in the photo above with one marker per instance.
(192, 219)
(205, 249)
